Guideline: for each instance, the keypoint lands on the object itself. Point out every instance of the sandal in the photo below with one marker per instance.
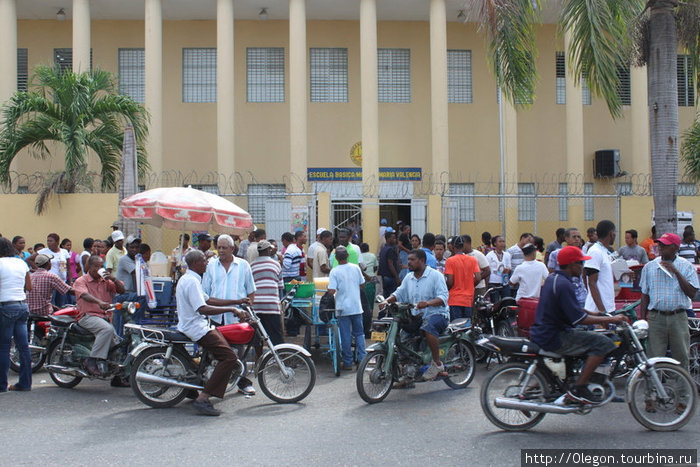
(14, 387)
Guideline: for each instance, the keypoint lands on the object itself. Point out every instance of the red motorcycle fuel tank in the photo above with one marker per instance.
(71, 311)
(238, 333)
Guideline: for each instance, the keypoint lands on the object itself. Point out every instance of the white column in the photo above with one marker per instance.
(81, 36)
(297, 91)
(154, 82)
(639, 162)
(438, 105)
(225, 91)
(8, 49)
(370, 117)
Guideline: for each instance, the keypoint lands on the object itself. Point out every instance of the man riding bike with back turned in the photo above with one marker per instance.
(559, 311)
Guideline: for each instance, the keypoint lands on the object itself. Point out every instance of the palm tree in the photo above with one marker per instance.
(83, 115)
(605, 35)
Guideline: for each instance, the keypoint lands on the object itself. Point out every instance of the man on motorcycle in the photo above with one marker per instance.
(192, 311)
(427, 289)
(559, 311)
(94, 294)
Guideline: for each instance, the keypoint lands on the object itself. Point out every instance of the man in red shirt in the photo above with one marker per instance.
(462, 273)
(43, 285)
(94, 294)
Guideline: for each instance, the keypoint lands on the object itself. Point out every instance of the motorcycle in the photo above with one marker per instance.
(660, 393)
(397, 358)
(500, 318)
(165, 372)
(70, 344)
(694, 351)
(38, 333)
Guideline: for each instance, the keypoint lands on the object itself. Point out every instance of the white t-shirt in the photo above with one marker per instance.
(346, 279)
(483, 262)
(530, 275)
(13, 272)
(311, 251)
(59, 262)
(497, 266)
(82, 255)
(601, 261)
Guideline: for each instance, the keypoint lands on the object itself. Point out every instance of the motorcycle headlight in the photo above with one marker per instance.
(641, 328)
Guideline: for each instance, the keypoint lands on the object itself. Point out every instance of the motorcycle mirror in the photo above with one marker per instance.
(379, 299)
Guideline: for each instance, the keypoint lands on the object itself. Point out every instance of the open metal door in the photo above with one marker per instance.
(278, 218)
(419, 216)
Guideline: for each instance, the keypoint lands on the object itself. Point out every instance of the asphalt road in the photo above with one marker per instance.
(94, 424)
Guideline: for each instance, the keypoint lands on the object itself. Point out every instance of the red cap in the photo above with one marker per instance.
(570, 254)
(669, 239)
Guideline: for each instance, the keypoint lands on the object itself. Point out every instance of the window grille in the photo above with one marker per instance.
(199, 74)
(586, 98)
(686, 189)
(132, 74)
(459, 77)
(564, 202)
(394, 72)
(526, 202)
(465, 203)
(588, 202)
(63, 58)
(329, 74)
(623, 189)
(560, 77)
(22, 69)
(265, 74)
(624, 90)
(258, 194)
(686, 85)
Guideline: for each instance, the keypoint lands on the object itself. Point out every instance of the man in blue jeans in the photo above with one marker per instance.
(346, 283)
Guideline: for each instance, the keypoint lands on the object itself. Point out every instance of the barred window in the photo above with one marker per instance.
(132, 74)
(199, 74)
(585, 91)
(22, 69)
(560, 70)
(265, 74)
(394, 72)
(624, 90)
(329, 74)
(686, 189)
(588, 202)
(258, 194)
(63, 58)
(526, 202)
(623, 189)
(459, 77)
(564, 202)
(209, 188)
(465, 201)
(686, 86)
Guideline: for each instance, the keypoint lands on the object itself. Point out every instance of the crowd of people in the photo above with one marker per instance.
(441, 276)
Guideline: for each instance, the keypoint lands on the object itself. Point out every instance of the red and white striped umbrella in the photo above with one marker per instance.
(186, 209)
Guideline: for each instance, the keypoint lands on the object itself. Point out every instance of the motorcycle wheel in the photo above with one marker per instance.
(152, 361)
(504, 329)
(334, 345)
(460, 359)
(53, 357)
(38, 356)
(373, 384)
(660, 415)
(293, 387)
(506, 381)
(694, 360)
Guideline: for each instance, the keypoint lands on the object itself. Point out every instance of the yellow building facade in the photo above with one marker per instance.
(413, 85)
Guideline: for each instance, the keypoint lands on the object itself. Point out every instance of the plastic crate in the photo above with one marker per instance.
(305, 290)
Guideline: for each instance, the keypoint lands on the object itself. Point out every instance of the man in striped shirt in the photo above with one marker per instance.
(267, 274)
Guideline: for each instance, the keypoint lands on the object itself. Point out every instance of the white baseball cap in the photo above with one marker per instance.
(117, 235)
(321, 230)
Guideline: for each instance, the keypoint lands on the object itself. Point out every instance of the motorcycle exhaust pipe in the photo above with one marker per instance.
(533, 406)
(147, 378)
(64, 370)
(36, 347)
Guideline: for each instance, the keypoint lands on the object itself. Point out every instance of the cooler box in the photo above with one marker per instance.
(163, 288)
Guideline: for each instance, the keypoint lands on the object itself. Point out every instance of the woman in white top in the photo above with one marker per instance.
(499, 262)
(14, 312)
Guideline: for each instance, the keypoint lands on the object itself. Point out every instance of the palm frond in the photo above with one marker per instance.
(690, 149)
(600, 43)
(510, 27)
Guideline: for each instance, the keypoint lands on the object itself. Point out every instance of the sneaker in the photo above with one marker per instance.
(433, 371)
(581, 395)
(247, 390)
(205, 408)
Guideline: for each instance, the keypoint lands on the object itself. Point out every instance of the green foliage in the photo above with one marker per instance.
(81, 114)
(690, 149)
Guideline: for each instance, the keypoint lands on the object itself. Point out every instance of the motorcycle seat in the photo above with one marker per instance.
(78, 329)
(175, 336)
(61, 320)
(515, 345)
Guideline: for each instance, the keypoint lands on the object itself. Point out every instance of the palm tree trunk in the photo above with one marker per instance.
(663, 112)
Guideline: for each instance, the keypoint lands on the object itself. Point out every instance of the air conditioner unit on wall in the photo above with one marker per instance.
(606, 163)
